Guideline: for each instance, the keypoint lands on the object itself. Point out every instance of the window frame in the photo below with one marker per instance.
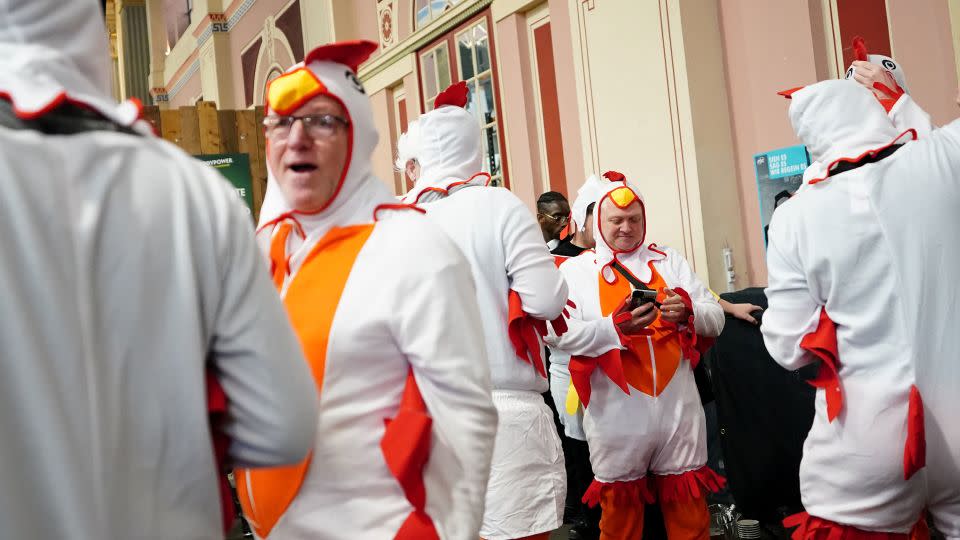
(431, 15)
(449, 38)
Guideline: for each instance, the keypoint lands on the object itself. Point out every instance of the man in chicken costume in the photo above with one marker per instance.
(863, 277)
(632, 368)
(127, 269)
(518, 288)
(392, 335)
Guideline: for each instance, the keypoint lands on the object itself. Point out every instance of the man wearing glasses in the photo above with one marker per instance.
(553, 215)
(392, 335)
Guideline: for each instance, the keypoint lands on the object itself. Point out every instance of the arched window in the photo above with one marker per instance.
(425, 11)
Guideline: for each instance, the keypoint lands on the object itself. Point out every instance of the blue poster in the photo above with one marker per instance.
(779, 174)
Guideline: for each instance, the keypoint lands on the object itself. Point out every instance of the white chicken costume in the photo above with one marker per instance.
(128, 273)
(406, 423)
(863, 276)
(518, 288)
(643, 417)
(572, 420)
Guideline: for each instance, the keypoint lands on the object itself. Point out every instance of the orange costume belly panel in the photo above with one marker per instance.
(650, 362)
(311, 300)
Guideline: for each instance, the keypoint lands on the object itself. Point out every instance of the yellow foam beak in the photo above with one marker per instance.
(288, 92)
(623, 197)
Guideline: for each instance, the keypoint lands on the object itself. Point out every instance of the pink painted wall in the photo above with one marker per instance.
(411, 85)
(923, 44)
(404, 22)
(382, 105)
(188, 92)
(762, 58)
(367, 21)
(518, 106)
(563, 51)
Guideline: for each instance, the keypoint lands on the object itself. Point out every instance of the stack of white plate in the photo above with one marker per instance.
(748, 529)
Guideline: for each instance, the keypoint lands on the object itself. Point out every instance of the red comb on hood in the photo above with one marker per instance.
(455, 94)
(789, 93)
(859, 49)
(348, 53)
(614, 176)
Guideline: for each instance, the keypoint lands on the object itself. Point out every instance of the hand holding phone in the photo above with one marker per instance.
(640, 297)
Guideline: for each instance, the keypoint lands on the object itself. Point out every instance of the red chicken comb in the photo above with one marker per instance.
(348, 53)
(455, 94)
(614, 176)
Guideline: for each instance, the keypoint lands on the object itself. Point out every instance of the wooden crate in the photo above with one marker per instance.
(203, 129)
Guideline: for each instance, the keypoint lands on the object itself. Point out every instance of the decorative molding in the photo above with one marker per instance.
(388, 77)
(213, 22)
(160, 95)
(267, 61)
(387, 18)
(220, 22)
(436, 28)
(194, 67)
(239, 13)
(501, 9)
(268, 28)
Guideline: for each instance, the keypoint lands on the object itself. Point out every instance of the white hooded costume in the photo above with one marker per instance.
(406, 423)
(642, 410)
(903, 111)
(517, 281)
(129, 270)
(863, 276)
(572, 422)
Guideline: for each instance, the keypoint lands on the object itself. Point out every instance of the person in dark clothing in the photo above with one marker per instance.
(764, 414)
(578, 242)
(553, 214)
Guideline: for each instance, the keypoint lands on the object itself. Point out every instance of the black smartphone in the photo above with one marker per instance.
(640, 297)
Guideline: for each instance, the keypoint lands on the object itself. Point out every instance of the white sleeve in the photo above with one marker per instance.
(708, 318)
(530, 266)
(440, 332)
(272, 401)
(583, 337)
(934, 163)
(792, 312)
(906, 114)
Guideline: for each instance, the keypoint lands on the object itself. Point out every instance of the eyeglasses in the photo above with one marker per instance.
(559, 220)
(317, 126)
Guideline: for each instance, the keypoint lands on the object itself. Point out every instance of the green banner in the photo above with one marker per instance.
(236, 169)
